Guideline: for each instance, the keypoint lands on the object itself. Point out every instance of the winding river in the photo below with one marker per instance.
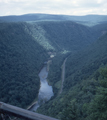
(45, 91)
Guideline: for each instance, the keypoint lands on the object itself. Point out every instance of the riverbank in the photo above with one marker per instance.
(31, 106)
(45, 91)
(43, 73)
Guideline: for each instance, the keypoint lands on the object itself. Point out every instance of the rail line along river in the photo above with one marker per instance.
(45, 91)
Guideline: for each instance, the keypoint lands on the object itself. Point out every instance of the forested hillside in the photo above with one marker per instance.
(63, 35)
(20, 61)
(69, 35)
(23, 50)
(25, 46)
(84, 93)
(88, 60)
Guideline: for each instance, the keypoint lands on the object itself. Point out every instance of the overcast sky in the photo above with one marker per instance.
(67, 7)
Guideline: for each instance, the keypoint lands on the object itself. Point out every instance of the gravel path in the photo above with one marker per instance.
(63, 76)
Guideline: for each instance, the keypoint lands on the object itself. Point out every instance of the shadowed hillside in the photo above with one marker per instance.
(85, 73)
(87, 61)
(20, 61)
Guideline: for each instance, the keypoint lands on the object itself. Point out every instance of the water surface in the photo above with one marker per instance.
(45, 91)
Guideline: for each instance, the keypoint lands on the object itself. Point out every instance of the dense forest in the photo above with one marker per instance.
(25, 46)
(84, 86)
(20, 61)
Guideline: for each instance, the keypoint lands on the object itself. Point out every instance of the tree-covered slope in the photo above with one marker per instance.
(23, 50)
(21, 58)
(87, 61)
(84, 86)
(100, 29)
(67, 35)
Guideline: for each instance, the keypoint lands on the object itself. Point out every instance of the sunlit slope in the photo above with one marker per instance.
(39, 35)
(66, 35)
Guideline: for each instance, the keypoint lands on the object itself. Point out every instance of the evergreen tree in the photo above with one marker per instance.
(98, 107)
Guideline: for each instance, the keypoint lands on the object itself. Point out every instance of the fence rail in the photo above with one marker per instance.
(19, 112)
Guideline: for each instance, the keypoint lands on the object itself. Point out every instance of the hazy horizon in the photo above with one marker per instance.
(57, 7)
(52, 14)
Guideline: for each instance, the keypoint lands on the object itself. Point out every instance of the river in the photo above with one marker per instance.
(45, 91)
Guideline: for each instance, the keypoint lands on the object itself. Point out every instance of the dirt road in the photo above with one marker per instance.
(63, 76)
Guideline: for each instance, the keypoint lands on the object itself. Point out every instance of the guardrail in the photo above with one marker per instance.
(19, 112)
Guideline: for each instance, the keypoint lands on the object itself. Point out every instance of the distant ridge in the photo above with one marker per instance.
(87, 19)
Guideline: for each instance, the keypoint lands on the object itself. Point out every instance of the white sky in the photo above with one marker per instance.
(66, 7)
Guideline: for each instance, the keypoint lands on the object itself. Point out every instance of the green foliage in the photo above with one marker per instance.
(20, 61)
(67, 35)
(103, 72)
(85, 86)
(38, 33)
(70, 112)
(98, 107)
(86, 62)
(55, 71)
